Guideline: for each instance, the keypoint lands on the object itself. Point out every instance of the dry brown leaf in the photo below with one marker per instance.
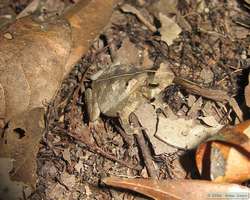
(225, 157)
(10, 190)
(35, 58)
(179, 189)
(21, 143)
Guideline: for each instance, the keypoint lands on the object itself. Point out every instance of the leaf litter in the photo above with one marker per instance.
(207, 53)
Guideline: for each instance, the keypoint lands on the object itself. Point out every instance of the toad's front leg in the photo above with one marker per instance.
(92, 105)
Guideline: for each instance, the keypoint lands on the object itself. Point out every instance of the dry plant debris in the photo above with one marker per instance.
(179, 189)
(161, 80)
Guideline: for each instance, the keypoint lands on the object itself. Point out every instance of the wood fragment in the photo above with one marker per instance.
(216, 95)
(177, 189)
(233, 103)
(147, 158)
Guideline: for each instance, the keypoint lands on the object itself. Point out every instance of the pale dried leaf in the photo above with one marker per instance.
(165, 7)
(148, 120)
(128, 54)
(169, 29)
(66, 155)
(201, 5)
(193, 112)
(191, 99)
(207, 75)
(68, 180)
(163, 77)
(33, 61)
(181, 133)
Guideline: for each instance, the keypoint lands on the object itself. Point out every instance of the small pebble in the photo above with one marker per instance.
(243, 55)
(8, 36)
(206, 10)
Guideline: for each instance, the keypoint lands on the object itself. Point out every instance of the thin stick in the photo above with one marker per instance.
(216, 95)
(147, 158)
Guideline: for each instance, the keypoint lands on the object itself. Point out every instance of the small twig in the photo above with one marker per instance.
(235, 71)
(124, 135)
(241, 23)
(147, 158)
(212, 33)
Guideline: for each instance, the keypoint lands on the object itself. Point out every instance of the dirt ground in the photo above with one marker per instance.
(212, 52)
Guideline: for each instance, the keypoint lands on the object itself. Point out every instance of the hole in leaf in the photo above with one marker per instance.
(20, 132)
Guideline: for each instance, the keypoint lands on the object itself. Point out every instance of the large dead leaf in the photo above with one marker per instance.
(148, 119)
(34, 58)
(225, 157)
(179, 189)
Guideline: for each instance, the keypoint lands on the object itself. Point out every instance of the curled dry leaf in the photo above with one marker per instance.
(225, 156)
(178, 189)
